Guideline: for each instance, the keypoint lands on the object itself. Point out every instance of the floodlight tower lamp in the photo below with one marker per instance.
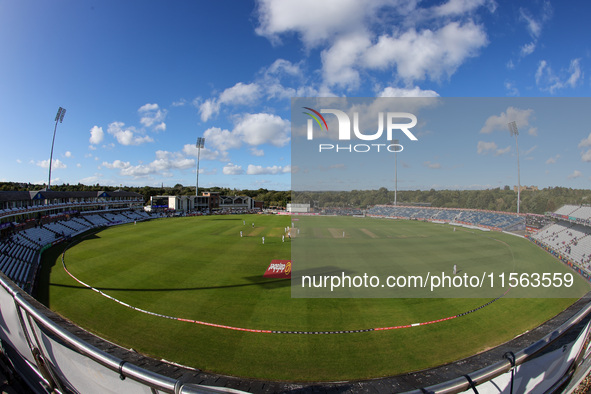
(59, 117)
(396, 142)
(200, 144)
(514, 132)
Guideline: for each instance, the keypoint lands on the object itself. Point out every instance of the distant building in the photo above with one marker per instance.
(208, 202)
(298, 208)
(23, 206)
(526, 188)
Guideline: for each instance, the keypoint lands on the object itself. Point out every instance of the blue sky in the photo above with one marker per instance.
(141, 80)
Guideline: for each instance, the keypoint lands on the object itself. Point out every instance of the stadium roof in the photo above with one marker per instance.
(14, 196)
(50, 194)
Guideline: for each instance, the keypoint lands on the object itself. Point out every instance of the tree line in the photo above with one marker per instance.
(505, 199)
(499, 199)
(271, 198)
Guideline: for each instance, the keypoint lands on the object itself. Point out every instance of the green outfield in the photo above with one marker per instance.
(202, 269)
(413, 251)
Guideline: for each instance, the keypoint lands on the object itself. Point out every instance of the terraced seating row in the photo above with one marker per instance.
(497, 220)
(19, 253)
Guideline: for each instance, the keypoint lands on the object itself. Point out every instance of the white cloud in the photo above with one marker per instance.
(55, 164)
(168, 160)
(458, 7)
(575, 174)
(206, 153)
(500, 152)
(378, 34)
(91, 180)
(534, 25)
(309, 18)
(272, 81)
(250, 129)
(78, 165)
(585, 142)
(160, 127)
(540, 71)
(407, 92)
(180, 103)
(511, 89)
(340, 59)
(127, 136)
(222, 139)
(586, 156)
(432, 165)
(208, 108)
(262, 128)
(231, 169)
(548, 80)
(282, 66)
(96, 135)
(533, 131)
(575, 73)
(528, 49)
(152, 116)
(68, 154)
(19, 161)
(418, 55)
(148, 107)
(239, 94)
(260, 170)
(530, 150)
(116, 164)
(552, 160)
(275, 90)
(500, 122)
(485, 147)
(164, 163)
(257, 152)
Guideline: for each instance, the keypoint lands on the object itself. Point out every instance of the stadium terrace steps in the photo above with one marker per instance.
(566, 210)
(18, 254)
(497, 220)
(87, 221)
(568, 239)
(97, 220)
(27, 240)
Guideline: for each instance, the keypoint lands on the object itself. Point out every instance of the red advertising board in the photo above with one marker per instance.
(279, 269)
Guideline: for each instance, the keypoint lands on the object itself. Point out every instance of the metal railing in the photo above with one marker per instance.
(29, 329)
(66, 363)
(511, 362)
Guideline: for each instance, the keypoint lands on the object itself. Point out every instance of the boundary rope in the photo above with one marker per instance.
(204, 323)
